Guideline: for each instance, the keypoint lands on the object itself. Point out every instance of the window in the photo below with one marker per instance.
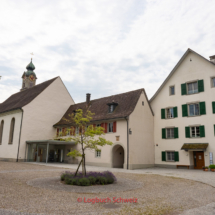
(111, 108)
(1, 130)
(98, 153)
(192, 87)
(67, 132)
(77, 130)
(170, 156)
(12, 125)
(195, 131)
(170, 132)
(98, 125)
(110, 127)
(172, 90)
(194, 109)
(213, 82)
(169, 113)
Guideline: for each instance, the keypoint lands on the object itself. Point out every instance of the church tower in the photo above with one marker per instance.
(29, 77)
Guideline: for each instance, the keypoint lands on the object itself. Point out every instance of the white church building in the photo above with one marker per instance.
(174, 129)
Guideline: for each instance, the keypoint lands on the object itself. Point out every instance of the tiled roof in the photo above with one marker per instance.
(126, 104)
(190, 146)
(20, 99)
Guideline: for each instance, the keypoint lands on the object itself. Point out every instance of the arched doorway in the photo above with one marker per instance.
(117, 156)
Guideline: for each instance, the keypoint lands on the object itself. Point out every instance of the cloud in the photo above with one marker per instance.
(102, 47)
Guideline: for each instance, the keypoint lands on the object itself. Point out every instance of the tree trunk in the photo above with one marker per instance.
(83, 166)
(78, 166)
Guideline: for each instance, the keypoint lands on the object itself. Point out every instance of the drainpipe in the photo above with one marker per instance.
(19, 137)
(126, 118)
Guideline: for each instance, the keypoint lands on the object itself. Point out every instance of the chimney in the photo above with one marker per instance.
(88, 98)
(212, 59)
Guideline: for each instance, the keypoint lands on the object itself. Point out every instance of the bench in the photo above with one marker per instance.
(183, 166)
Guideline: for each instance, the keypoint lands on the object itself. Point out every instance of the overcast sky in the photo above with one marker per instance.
(101, 47)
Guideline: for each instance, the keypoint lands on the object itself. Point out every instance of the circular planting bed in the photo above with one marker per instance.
(55, 183)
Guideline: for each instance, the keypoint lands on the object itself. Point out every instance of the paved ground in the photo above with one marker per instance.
(157, 195)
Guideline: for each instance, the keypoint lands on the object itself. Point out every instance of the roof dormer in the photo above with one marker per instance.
(112, 106)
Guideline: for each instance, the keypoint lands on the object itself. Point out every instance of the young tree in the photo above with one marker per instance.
(88, 137)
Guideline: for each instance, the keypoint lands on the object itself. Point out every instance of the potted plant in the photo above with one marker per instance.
(205, 168)
(212, 167)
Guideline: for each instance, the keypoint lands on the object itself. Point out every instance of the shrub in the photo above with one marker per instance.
(84, 182)
(91, 178)
(212, 166)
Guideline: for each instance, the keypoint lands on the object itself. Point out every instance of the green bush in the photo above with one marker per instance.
(62, 177)
(212, 166)
(84, 182)
(92, 180)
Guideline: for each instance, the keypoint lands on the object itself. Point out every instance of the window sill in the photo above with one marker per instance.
(194, 116)
(170, 161)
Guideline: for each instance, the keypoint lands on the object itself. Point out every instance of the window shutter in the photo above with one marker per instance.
(175, 132)
(175, 112)
(183, 89)
(184, 110)
(162, 113)
(163, 133)
(106, 127)
(187, 132)
(214, 129)
(114, 126)
(103, 126)
(63, 131)
(57, 132)
(202, 108)
(201, 85)
(176, 156)
(202, 130)
(213, 107)
(163, 155)
(72, 131)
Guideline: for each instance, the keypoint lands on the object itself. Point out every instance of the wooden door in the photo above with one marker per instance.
(199, 160)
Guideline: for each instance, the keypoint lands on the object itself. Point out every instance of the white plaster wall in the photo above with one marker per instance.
(198, 68)
(141, 141)
(106, 151)
(10, 150)
(43, 112)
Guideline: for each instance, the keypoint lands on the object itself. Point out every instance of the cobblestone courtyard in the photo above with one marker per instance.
(25, 189)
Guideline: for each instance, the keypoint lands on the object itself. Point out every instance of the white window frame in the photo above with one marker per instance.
(196, 131)
(98, 125)
(76, 130)
(111, 108)
(169, 115)
(194, 109)
(170, 91)
(170, 131)
(98, 153)
(171, 155)
(193, 88)
(67, 132)
(109, 126)
(213, 82)
(60, 131)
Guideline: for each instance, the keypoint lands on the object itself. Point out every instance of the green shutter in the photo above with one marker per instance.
(176, 156)
(213, 107)
(175, 111)
(175, 132)
(187, 132)
(202, 130)
(163, 155)
(201, 86)
(202, 108)
(214, 130)
(162, 113)
(183, 89)
(163, 133)
(184, 110)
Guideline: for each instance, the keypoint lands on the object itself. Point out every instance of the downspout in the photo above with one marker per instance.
(19, 137)
(126, 118)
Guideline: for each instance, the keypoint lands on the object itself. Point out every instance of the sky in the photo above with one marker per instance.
(102, 47)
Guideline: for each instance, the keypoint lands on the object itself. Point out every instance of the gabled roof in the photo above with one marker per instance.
(20, 99)
(126, 104)
(175, 68)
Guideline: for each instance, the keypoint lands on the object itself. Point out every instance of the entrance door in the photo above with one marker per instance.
(199, 160)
